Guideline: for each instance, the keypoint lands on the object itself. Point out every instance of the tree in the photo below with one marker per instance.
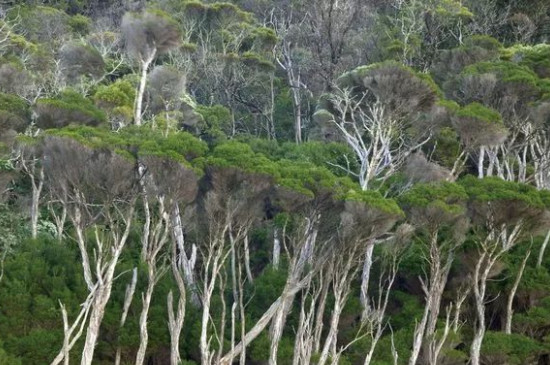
(229, 208)
(98, 189)
(164, 184)
(438, 211)
(146, 36)
(502, 213)
(79, 61)
(67, 108)
(372, 113)
(481, 128)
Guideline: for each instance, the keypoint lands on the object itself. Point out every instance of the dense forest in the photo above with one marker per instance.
(275, 182)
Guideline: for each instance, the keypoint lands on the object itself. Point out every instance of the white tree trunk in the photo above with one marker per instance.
(128, 297)
(144, 65)
(543, 249)
(365, 277)
(276, 248)
(262, 323)
(480, 162)
(247, 260)
(419, 333)
(143, 332)
(175, 320)
(480, 285)
(513, 290)
(36, 192)
(186, 263)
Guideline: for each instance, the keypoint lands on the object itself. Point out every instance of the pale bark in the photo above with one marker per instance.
(419, 333)
(36, 174)
(433, 288)
(107, 257)
(264, 320)
(36, 192)
(59, 219)
(276, 249)
(286, 60)
(128, 298)
(343, 274)
(365, 278)
(296, 269)
(375, 318)
(175, 320)
(247, 260)
(480, 162)
(385, 150)
(78, 325)
(187, 264)
(495, 244)
(155, 243)
(481, 274)
(543, 249)
(144, 67)
(512, 294)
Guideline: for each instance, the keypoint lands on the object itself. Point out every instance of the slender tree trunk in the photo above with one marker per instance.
(543, 249)
(96, 317)
(305, 256)
(419, 333)
(79, 323)
(186, 263)
(128, 298)
(330, 341)
(105, 277)
(141, 90)
(480, 285)
(264, 320)
(365, 277)
(296, 107)
(480, 162)
(277, 248)
(247, 260)
(175, 320)
(513, 290)
(143, 332)
(36, 192)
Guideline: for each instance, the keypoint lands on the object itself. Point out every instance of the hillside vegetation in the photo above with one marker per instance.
(275, 182)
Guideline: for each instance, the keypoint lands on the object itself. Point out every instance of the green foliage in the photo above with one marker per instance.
(536, 57)
(493, 189)
(510, 349)
(507, 72)
(80, 24)
(133, 142)
(40, 23)
(14, 113)
(483, 41)
(374, 200)
(69, 107)
(255, 60)
(38, 275)
(445, 196)
(479, 112)
(217, 122)
(118, 94)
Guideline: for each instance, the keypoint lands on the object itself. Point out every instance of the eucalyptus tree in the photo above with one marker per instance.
(502, 213)
(148, 35)
(438, 211)
(481, 128)
(230, 205)
(99, 190)
(374, 112)
(365, 218)
(165, 183)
